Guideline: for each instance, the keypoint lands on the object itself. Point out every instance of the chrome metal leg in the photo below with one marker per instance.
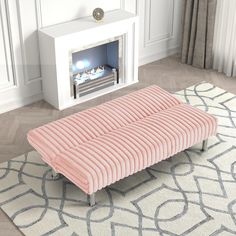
(92, 201)
(55, 175)
(204, 145)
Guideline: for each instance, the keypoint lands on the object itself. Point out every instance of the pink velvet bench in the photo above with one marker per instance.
(99, 146)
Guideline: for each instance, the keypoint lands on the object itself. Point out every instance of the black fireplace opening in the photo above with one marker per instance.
(95, 68)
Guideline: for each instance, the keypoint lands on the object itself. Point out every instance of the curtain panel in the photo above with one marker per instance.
(224, 46)
(198, 31)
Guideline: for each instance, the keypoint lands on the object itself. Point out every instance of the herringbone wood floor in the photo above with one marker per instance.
(168, 73)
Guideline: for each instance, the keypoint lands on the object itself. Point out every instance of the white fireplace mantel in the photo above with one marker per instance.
(57, 42)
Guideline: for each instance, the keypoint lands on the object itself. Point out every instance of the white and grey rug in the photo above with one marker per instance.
(192, 193)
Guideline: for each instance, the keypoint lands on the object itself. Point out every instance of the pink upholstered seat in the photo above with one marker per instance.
(53, 138)
(113, 156)
(102, 145)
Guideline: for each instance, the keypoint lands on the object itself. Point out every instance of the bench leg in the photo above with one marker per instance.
(55, 175)
(204, 145)
(91, 198)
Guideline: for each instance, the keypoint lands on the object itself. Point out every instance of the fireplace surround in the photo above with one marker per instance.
(83, 59)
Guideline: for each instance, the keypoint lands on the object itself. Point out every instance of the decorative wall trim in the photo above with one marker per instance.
(6, 34)
(39, 13)
(148, 39)
(38, 18)
(122, 4)
(129, 5)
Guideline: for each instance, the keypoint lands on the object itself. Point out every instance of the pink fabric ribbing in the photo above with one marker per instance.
(58, 136)
(113, 156)
(102, 145)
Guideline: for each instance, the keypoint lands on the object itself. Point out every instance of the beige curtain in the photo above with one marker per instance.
(224, 45)
(198, 31)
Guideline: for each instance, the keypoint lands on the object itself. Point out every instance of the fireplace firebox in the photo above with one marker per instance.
(96, 67)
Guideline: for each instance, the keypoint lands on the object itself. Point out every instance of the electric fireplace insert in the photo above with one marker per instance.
(95, 68)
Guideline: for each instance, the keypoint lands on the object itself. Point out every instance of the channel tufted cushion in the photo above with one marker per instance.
(53, 138)
(102, 145)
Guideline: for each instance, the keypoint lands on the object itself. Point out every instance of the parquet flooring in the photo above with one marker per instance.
(168, 73)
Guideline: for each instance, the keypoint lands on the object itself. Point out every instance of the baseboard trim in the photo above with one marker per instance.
(157, 56)
(20, 102)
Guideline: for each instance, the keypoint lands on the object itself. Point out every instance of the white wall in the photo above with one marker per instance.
(160, 29)
(20, 78)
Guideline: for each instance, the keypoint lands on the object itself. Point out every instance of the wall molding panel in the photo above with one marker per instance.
(7, 79)
(19, 93)
(129, 5)
(160, 29)
(28, 26)
(151, 21)
(39, 14)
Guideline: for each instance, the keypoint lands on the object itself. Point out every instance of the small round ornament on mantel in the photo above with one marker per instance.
(98, 14)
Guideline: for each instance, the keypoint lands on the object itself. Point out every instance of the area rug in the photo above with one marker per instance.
(192, 193)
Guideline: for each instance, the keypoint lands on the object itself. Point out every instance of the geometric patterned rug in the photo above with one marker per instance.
(192, 193)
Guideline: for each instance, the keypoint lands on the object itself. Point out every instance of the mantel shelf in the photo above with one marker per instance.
(86, 23)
